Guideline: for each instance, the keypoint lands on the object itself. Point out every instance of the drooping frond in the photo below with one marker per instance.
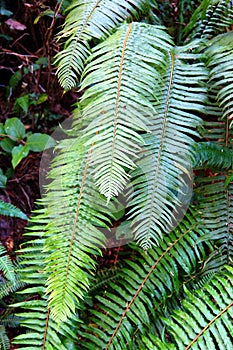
(210, 19)
(43, 332)
(206, 322)
(130, 305)
(9, 209)
(163, 180)
(120, 83)
(87, 20)
(75, 209)
(220, 63)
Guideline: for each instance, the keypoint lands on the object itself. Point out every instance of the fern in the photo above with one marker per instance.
(9, 209)
(208, 312)
(209, 19)
(87, 20)
(9, 283)
(142, 289)
(159, 195)
(108, 104)
(135, 133)
(220, 54)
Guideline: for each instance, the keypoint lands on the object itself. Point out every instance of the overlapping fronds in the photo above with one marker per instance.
(210, 18)
(220, 63)
(166, 163)
(87, 20)
(121, 82)
(214, 195)
(142, 288)
(206, 322)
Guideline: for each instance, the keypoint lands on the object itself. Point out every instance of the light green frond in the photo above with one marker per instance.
(120, 83)
(128, 306)
(75, 210)
(87, 20)
(35, 315)
(210, 18)
(220, 63)
(164, 171)
(207, 318)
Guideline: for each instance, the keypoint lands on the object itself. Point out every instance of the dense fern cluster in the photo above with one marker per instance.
(153, 124)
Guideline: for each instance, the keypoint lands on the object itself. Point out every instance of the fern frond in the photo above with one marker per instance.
(4, 340)
(87, 20)
(220, 62)
(74, 209)
(207, 319)
(142, 289)
(211, 155)
(214, 197)
(9, 209)
(159, 187)
(210, 19)
(44, 332)
(121, 81)
(6, 265)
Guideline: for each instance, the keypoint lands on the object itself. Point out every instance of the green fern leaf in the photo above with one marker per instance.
(87, 20)
(207, 319)
(120, 81)
(9, 209)
(128, 305)
(158, 194)
(210, 18)
(220, 62)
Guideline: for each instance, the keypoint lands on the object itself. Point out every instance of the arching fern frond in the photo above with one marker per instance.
(210, 19)
(143, 286)
(159, 186)
(87, 20)
(121, 82)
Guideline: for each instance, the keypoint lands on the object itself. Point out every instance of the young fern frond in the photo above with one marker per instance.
(159, 185)
(121, 81)
(133, 301)
(43, 332)
(85, 21)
